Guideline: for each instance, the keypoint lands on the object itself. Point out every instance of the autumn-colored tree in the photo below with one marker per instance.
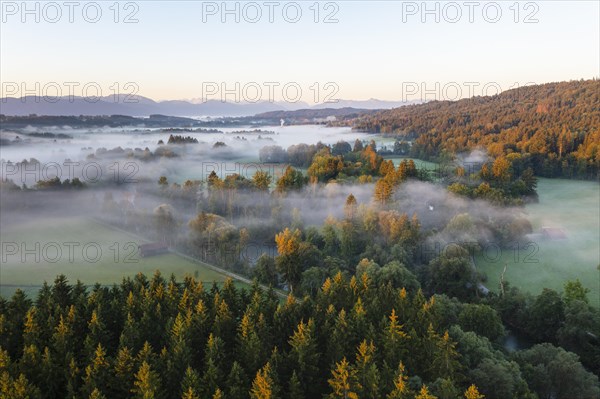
(343, 383)
(350, 207)
(263, 385)
(473, 393)
(261, 180)
(367, 372)
(147, 383)
(305, 355)
(97, 374)
(400, 389)
(291, 179)
(424, 394)
(383, 191)
(288, 260)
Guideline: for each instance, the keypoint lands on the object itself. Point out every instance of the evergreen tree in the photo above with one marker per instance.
(401, 389)
(190, 384)
(366, 370)
(237, 384)
(124, 371)
(424, 394)
(97, 373)
(305, 355)
(295, 390)
(147, 383)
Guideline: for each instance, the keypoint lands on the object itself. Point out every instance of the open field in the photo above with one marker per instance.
(418, 162)
(574, 207)
(82, 250)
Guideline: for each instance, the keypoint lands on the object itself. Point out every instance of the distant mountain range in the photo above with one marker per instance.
(143, 106)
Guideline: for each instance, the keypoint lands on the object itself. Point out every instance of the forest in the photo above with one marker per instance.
(554, 128)
(383, 300)
(355, 338)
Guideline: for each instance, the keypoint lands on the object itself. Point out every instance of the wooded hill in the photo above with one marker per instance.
(554, 126)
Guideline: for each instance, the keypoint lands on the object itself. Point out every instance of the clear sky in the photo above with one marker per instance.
(388, 50)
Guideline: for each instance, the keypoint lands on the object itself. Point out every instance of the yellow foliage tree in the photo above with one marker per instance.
(262, 386)
(343, 381)
(473, 393)
(424, 394)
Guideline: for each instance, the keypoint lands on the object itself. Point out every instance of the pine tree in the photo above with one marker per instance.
(263, 385)
(147, 383)
(17, 389)
(97, 334)
(214, 355)
(304, 354)
(339, 338)
(237, 387)
(73, 378)
(395, 342)
(250, 347)
(343, 383)
(97, 373)
(424, 394)
(473, 393)
(224, 325)
(30, 364)
(190, 384)
(124, 370)
(401, 390)
(211, 377)
(32, 333)
(190, 394)
(51, 375)
(295, 390)
(179, 356)
(445, 362)
(130, 335)
(367, 372)
(96, 394)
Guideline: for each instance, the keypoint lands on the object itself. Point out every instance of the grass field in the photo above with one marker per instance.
(418, 162)
(97, 254)
(573, 206)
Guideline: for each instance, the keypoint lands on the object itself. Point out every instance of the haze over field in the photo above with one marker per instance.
(298, 200)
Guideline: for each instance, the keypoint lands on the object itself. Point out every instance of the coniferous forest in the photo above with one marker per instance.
(152, 337)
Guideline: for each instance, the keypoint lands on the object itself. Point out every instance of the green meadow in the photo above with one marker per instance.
(85, 250)
(574, 207)
(419, 163)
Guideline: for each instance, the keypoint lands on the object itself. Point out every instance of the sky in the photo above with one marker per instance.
(389, 50)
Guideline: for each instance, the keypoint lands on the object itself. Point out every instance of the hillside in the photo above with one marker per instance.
(554, 126)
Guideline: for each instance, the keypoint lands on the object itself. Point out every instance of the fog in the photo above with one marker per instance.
(121, 170)
(123, 164)
(85, 142)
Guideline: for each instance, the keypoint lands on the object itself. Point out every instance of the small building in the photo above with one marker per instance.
(153, 249)
(553, 233)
